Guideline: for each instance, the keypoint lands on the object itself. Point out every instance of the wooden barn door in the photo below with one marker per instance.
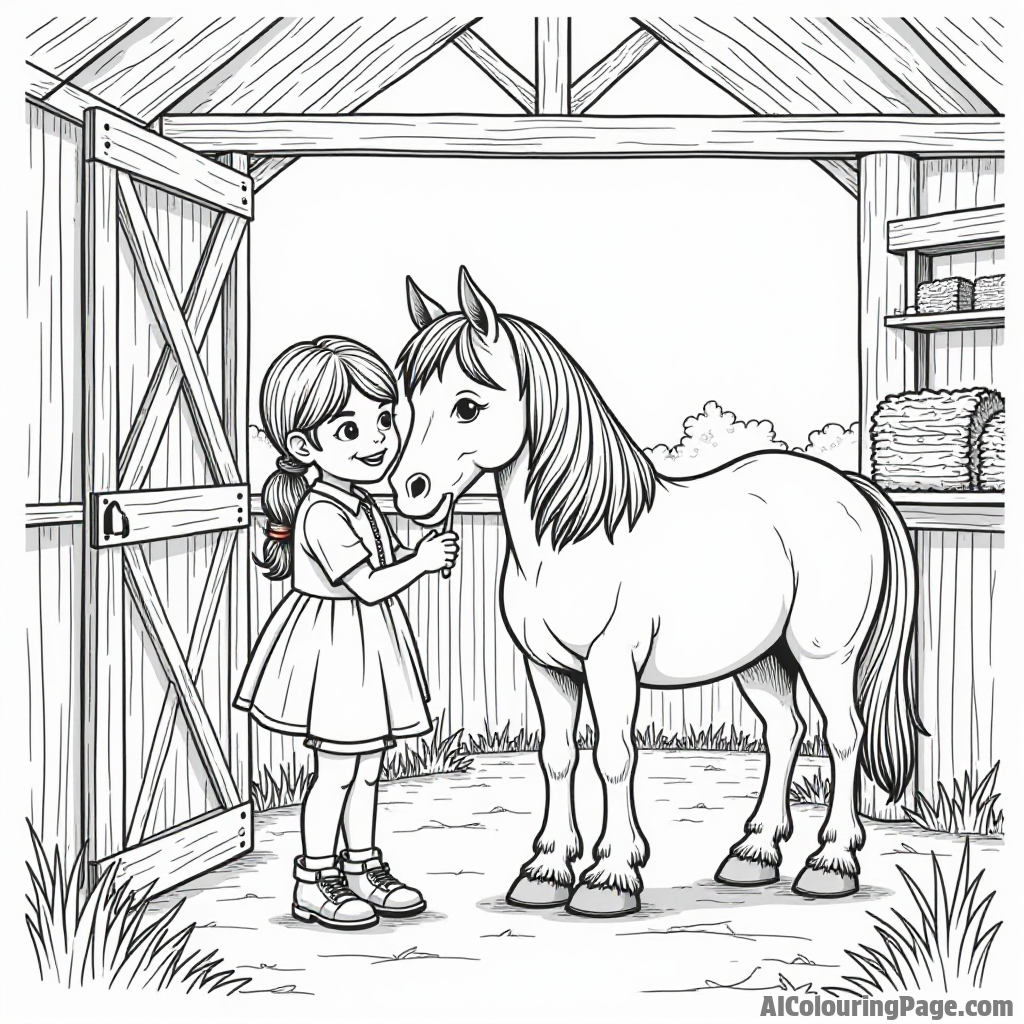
(166, 774)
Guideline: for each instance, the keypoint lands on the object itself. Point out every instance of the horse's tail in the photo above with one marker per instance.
(885, 684)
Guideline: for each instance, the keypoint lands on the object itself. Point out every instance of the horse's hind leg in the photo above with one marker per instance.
(546, 880)
(770, 688)
(832, 869)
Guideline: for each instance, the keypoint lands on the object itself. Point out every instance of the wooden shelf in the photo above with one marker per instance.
(957, 231)
(951, 510)
(930, 323)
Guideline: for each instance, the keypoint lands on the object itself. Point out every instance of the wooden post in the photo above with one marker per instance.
(103, 767)
(235, 334)
(554, 72)
(888, 190)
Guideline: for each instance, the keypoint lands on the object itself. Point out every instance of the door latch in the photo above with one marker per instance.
(115, 522)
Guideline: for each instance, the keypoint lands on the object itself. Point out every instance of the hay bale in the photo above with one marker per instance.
(931, 440)
(990, 292)
(950, 295)
(993, 454)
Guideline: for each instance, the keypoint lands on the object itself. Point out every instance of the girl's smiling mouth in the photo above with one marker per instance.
(372, 460)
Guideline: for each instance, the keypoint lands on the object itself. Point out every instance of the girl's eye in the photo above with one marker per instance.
(385, 420)
(466, 410)
(349, 431)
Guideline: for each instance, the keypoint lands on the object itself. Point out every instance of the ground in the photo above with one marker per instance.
(462, 837)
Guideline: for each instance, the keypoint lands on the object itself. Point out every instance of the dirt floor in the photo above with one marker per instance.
(461, 838)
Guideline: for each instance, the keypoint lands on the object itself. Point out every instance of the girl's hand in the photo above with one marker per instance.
(438, 551)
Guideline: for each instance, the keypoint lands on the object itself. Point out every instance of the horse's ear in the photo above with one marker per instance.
(478, 308)
(422, 308)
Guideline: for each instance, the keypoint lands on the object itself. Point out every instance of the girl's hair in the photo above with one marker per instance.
(307, 385)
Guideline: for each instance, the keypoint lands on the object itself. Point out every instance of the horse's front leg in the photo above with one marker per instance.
(546, 880)
(611, 886)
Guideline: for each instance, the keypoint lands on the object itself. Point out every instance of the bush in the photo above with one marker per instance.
(835, 444)
(711, 439)
(109, 937)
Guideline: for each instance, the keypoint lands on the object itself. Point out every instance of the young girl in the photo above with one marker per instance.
(337, 661)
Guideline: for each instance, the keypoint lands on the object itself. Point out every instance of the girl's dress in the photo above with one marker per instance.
(345, 674)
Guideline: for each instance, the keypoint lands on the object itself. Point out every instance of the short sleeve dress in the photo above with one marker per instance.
(345, 674)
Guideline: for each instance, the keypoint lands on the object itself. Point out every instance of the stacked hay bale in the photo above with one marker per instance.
(993, 454)
(990, 292)
(931, 440)
(950, 295)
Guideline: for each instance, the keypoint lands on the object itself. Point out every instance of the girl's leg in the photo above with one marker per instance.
(359, 817)
(323, 807)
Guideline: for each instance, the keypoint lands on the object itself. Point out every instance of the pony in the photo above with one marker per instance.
(616, 578)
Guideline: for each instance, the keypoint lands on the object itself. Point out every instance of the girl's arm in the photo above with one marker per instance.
(433, 553)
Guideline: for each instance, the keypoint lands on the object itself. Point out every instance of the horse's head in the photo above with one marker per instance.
(468, 414)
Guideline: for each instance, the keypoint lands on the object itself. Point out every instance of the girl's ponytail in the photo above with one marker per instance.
(282, 493)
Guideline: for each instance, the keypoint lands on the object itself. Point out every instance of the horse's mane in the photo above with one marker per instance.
(585, 471)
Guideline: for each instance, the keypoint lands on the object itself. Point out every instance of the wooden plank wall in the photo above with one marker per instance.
(476, 675)
(53, 474)
(180, 565)
(959, 571)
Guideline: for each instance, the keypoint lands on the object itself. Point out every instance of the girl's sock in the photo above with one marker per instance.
(359, 856)
(318, 863)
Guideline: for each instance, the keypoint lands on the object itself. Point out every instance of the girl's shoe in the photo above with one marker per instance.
(371, 880)
(324, 897)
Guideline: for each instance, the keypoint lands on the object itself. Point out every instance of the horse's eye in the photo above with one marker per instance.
(349, 431)
(466, 410)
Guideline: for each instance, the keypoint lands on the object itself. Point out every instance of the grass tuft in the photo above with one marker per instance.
(289, 787)
(814, 789)
(970, 811)
(429, 755)
(949, 943)
(108, 936)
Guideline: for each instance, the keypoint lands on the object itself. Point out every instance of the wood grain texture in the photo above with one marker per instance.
(235, 411)
(981, 511)
(121, 144)
(65, 45)
(553, 51)
(896, 45)
(103, 780)
(888, 191)
(768, 137)
(973, 48)
(957, 231)
(188, 852)
(612, 68)
(53, 217)
(162, 59)
(510, 80)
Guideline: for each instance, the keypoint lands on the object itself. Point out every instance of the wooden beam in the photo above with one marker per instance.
(888, 191)
(507, 78)
(47, 91)
(898, 46)
(982, 227)
(145, 249)
(115, 141)
(978, 512)
(615, 65)
(973, 48)
(103, 795)
(162, 59)
(266, 170)
(786, 138)
(65, 45)
(553, 48)
(235, 343)
(140, 446)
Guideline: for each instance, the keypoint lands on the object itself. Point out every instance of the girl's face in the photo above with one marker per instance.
(359, 445)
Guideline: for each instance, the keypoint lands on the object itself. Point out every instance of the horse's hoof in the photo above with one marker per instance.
(736, 871)
(535, 892)
(588, 902)
(827, 885)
